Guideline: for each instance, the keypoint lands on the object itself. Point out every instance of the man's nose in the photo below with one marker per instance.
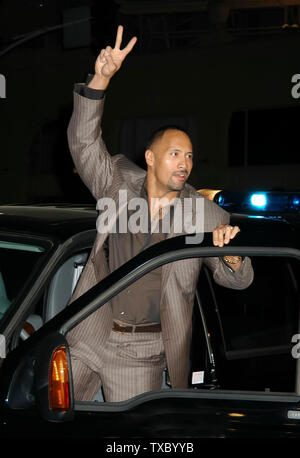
(183, 163)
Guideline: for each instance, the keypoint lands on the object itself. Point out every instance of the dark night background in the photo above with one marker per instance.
(222, 69)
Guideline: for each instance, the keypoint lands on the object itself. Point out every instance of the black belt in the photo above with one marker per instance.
(117, 327)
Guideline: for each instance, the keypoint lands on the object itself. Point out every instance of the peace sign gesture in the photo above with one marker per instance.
(110, 59)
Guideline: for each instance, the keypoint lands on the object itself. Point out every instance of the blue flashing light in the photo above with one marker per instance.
(296, 201)
(258, 200)
(221, 200)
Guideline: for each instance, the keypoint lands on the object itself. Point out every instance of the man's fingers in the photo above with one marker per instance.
(111, 64)
(110, 59)
(119, 37)
(101, 56)
(130, 46)
(224, 233)
(218, 235)
(107, 50)
(235, 230)
(227, 234)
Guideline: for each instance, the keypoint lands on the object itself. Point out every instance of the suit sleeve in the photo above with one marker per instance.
(227, 277)
(223, 274)
(91, 158)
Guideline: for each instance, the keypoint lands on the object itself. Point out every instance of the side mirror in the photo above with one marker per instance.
(43, 380)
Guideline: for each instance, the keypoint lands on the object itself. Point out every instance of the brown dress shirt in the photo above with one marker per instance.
(139, 303)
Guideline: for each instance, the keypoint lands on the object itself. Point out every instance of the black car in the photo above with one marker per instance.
(244, 361)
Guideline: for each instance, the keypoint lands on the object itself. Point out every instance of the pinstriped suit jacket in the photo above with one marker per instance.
(105, 175)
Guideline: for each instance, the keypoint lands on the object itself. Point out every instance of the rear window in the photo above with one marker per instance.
(17, 262)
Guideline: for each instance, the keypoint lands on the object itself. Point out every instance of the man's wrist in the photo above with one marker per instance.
(89, 93)
(233, 263)
(99, 82)
(233, 259)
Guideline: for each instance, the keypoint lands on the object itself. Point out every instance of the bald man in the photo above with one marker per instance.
(125, 345)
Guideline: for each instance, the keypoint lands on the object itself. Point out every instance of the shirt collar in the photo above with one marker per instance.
(144, 192)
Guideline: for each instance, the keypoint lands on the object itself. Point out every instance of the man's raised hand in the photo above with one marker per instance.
(110, 60)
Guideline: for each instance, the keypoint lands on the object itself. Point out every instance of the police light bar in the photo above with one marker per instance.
(259, 202)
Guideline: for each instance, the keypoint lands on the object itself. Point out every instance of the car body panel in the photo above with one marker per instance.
(198, 412)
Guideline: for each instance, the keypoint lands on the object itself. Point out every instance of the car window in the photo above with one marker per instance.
(17, 261)
(257, 326)
(265, 314)
(57, 293)
(63, 284)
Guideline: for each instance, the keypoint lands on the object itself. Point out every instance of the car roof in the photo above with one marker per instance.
(54, 221)
(280, 230)
(61, 221)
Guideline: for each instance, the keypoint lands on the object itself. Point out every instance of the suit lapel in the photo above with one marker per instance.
(167, 268)
(128, 191)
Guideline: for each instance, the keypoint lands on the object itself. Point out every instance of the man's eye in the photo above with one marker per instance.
(189, 156)
(173, 153)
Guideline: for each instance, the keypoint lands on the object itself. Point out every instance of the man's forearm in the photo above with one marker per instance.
(91, 158)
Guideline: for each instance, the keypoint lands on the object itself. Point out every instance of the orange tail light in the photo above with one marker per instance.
(59, 385)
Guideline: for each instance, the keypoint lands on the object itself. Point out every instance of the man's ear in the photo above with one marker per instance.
(149, 157)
